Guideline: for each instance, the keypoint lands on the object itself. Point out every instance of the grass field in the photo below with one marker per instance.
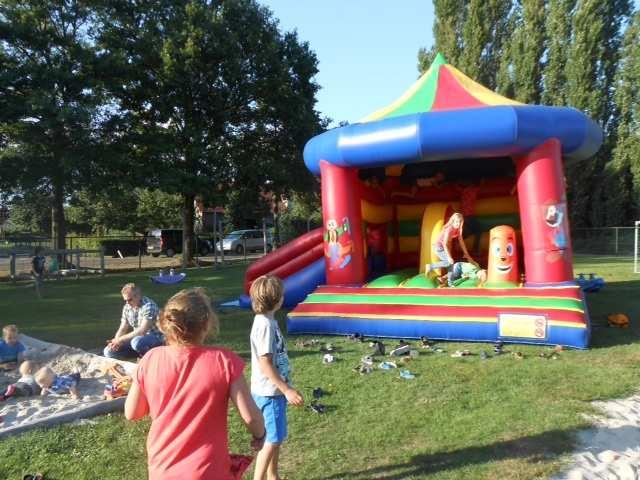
(466, 418)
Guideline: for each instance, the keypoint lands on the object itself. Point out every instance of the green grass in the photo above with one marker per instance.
(460, 418)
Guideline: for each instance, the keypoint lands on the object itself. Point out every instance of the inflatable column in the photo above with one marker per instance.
(502, 268)
(343, 240)
(543, 215)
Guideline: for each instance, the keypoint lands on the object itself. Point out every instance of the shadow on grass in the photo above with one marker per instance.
(546, 447)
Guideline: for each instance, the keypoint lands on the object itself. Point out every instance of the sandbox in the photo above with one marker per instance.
(23, 413)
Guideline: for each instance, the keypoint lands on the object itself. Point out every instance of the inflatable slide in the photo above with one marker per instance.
(299, 263)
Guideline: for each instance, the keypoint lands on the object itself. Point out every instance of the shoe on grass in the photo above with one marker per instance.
(407, 375)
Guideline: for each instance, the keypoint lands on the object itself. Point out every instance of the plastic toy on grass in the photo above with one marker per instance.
(619, 320)
(591, 284)
(170, 279)
(120, 382)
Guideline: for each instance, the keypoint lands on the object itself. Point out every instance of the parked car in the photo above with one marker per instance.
(252, 240)
(168, 241)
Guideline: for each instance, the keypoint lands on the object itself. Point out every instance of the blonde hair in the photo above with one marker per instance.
(452, 217)
(44, 376)
(133, 288)
(266, 292)
(27, 367)
(9, 329)
(187, 317)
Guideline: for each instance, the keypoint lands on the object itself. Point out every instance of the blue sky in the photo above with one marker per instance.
(367, 49)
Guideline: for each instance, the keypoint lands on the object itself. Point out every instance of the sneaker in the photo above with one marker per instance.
(317, 407)
(461, 353)
(387, 365)
(401, 350)
(378, 348)
(356, 337)
(317, 392)
(367, 360)
(497, 348)
(11, 389)
(483, 355)
(365, 369)
(328, 358)
(407, 375)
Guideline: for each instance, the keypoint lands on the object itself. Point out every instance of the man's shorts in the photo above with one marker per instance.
(274, 411)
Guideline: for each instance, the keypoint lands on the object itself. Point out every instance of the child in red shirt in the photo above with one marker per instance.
(185, 388)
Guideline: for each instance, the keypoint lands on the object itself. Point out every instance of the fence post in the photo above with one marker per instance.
(78, 264)
(140, 255)
(616, 231)
(102, 261)
(12, 267)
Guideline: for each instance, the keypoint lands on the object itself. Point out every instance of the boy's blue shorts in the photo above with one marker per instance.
(274, 411)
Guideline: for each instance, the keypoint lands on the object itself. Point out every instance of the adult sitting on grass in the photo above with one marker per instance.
(185, 388)
(138, 332)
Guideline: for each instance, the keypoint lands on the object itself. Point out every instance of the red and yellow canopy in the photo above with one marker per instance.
(442, 87)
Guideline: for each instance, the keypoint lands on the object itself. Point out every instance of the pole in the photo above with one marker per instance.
(215, 239)
(264, 234)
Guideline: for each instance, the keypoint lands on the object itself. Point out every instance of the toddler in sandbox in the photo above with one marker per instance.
(11, 350)
(49, 382)
(26, 384)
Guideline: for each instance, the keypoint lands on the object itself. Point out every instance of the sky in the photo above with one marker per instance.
(367, 49)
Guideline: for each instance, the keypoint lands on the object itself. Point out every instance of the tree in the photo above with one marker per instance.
(212, 94)
(558, 31)
(123, 209)
(30, 212)
(50, 100)
(589, 89)
(484, 33)
(447, 32)
(528, 47)
(623, 172)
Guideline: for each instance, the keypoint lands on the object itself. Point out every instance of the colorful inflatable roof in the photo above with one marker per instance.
(446, 115)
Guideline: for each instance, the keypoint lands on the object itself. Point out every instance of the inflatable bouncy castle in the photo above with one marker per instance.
(389, 184)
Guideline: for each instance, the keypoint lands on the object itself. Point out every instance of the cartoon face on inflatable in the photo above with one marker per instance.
(503, 256)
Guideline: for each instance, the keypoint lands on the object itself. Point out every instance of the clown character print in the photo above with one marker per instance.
(556, 226)
(337, 243)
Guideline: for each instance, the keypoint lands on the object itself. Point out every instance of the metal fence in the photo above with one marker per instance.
(97, 254)
(614, 241)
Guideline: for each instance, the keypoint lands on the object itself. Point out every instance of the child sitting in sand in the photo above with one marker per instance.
(11, 350)
(26, 384)
(49, 382)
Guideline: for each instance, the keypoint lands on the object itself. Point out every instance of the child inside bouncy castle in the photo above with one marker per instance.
(442, 247)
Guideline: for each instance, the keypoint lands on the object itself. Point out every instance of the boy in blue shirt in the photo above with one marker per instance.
(10, 348)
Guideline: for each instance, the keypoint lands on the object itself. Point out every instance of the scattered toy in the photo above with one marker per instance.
(619, 320)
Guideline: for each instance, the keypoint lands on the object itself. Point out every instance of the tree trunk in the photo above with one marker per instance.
(187, 229)
(58, 223)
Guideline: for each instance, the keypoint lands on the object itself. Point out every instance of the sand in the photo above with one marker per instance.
(611, 449)
(21, 413)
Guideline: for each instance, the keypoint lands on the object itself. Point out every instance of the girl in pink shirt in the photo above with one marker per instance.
(185, 388)
(442, 248)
